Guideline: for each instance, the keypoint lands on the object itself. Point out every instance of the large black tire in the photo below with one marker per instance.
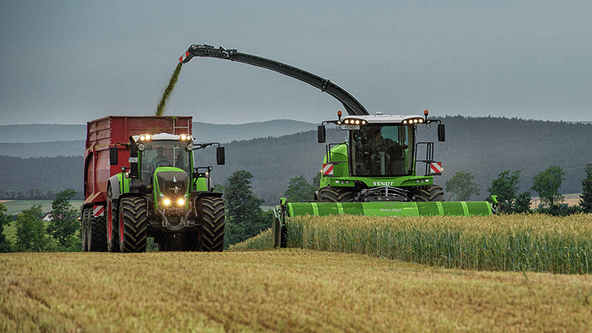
(170, 242)
(213, 224)
(96, 238)
(112, 229)
(428, 193)
(85, 226)
(335, 194)
(134, 224)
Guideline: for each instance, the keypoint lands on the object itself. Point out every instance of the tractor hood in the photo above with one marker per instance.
(171, 183)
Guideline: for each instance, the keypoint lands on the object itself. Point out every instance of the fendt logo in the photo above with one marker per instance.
(383, 183)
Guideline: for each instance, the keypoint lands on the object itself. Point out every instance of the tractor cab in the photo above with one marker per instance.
(164, 151)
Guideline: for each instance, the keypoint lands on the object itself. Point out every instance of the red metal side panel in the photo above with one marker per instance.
(106, 132)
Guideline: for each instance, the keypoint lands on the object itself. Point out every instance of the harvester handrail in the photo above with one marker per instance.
(429, 155)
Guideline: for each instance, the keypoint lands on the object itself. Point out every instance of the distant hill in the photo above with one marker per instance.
(202, 131)
(483, 146)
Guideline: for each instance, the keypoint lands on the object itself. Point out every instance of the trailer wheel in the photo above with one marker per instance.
(85, 226)
(213, 224)
(429, 193)
(112, 224)
(336, 194)
(170, 242)
(133, 225)
(96, 240)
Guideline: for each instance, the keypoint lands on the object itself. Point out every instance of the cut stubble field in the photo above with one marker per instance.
(290, 290)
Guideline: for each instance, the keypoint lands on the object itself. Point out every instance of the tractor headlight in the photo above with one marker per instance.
(181, 201)
(166, 201)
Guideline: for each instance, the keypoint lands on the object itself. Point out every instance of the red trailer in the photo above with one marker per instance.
(104, 133)
(119, 176)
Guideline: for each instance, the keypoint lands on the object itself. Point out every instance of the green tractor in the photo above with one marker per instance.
(141, 181)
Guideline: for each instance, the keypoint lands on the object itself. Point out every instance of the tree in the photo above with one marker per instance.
(586, 196)
(506, 189)
(30, 231)
(522, 203)
(244, 218)
(4, 220)
(462, 186)
(299, 190)
(547, 184)
(64, 223)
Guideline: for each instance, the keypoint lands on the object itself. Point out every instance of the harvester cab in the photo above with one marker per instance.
(377, 162)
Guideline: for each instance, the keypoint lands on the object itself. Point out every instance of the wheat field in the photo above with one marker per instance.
(287, 290)
(537, 243)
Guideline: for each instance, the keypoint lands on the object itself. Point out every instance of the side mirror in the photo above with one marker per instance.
(220, 156)
(441, 132)
(322, 134)
(113, 156)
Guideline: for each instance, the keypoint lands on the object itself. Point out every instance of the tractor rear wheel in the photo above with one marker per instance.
(429, 193)
(213, 224)
(133, 225)
(336, 194)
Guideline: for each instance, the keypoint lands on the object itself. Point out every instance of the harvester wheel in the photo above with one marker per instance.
(335, 194)
(429, 193)
(213, 224)
(133, 225)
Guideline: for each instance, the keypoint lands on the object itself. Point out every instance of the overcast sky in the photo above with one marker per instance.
(68, 62)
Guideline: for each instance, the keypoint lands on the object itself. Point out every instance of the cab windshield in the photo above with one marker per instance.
(164, 154)
(382, 150)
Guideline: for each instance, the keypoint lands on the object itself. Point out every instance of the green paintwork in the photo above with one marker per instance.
(390, 208)
(156, 191)
(341, 175)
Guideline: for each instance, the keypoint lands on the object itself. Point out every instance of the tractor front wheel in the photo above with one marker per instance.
(213, 224)
(133, 225)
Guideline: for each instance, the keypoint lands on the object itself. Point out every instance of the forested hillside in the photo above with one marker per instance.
(483, 146)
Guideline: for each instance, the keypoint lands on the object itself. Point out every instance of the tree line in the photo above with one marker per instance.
(62, 233)
(482, 146)
(546, 184)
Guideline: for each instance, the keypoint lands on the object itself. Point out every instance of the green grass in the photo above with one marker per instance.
(17, 206)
